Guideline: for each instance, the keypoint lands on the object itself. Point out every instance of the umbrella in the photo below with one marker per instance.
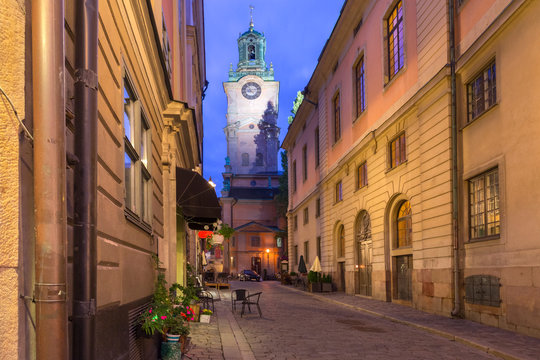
(302, 265)
(316, 265)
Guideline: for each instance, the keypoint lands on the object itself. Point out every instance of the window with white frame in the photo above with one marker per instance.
(137, 149)
(484, 215)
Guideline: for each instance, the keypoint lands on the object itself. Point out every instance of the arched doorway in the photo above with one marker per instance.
(340, 257)
(364, 249)
(402, 252)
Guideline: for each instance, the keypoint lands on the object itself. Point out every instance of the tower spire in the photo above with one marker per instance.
(251, 16)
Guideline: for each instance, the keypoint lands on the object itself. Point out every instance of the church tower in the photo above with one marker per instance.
(251, 176)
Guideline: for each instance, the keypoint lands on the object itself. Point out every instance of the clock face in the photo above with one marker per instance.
(251, 90)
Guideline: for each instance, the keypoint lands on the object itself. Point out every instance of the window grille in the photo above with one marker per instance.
(484, 215)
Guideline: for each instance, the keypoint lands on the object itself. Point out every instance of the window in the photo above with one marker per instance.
(361, 175)
(136, 157)
(339, 191)
(306, 215)
(304, 163)
(337, 118)
(341, 242)
(398, 151)
(255, 241)
(294, 176)
(259, 159)
(394, 49)
(404, 225)
(295, 254)
(360, 89)
(165, 46)
(481, 93)
(306, 251)
(317, 152)
(233, 241)
(295, 222)
(251, 52)
(318, 207)
(484, 215)
(319, 247)
(245, 159)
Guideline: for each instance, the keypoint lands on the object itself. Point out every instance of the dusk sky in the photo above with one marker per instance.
(295, 32)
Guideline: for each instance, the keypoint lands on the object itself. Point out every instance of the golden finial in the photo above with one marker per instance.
(251, 15)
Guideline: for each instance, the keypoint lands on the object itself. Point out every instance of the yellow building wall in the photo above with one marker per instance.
(12, 51)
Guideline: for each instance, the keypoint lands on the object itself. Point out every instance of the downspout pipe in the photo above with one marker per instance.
(85, 184)
(455, 202)
(48, 103)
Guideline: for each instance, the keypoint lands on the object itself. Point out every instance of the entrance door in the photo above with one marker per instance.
(364, 267)
(404, 277)
(341, 272)
(256, 264)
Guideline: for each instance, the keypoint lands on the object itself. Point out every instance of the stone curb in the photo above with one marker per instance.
(444, 334)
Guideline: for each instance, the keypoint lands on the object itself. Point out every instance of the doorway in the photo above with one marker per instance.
(256, 264)
(364, 250)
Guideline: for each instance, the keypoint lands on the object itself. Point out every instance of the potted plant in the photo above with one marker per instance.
(326, 283)
(315, 284)
(205, 316)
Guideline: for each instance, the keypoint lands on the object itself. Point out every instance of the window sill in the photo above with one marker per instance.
(395, 167)
(479, 116)
(362, 114)
(393, 79)
(135, 220)
(483, 239)
(336, 142)
(360, 188)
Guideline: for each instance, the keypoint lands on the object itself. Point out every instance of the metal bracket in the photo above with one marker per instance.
(84, 308)
(44, 292)
(88, 77)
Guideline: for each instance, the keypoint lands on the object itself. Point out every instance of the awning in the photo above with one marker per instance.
(197, 198)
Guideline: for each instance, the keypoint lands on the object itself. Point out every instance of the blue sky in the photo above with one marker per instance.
(295, 30)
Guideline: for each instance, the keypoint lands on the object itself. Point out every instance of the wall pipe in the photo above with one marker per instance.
(49, 179)
(85, 184)
(455, 201)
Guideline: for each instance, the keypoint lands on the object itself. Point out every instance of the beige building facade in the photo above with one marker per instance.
(149, 86)
(404, 197)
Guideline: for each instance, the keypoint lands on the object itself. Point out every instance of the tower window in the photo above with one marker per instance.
(251, 52)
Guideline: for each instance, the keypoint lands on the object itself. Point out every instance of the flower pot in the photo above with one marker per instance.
(205, 318)
(171, 351)
(172, 338)
(326, 287)
(316, 287)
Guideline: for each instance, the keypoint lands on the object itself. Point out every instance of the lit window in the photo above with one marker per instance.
(360, 88)
(337, 117)
(398, 151)
(361, 176)
(394, 41)
(137, 149)
(404, 225)
(481, 93)
(484, 216)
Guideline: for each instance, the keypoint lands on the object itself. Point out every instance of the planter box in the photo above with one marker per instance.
(205, 318)
(326, 287)
(315, 287)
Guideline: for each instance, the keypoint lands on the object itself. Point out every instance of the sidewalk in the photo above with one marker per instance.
(223, 338)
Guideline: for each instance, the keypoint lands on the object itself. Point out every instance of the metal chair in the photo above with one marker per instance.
(252, 299)
(238, 295)
(206, 298)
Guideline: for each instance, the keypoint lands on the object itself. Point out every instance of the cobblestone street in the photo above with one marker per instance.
(297, 325)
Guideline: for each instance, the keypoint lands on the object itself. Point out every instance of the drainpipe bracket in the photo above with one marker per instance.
(83, 309)
(88, 77)
(44, 292)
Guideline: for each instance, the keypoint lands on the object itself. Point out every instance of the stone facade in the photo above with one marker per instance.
(379, 191)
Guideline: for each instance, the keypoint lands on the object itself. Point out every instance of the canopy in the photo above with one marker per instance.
(316, 265)
(302, 265)
(197, 198)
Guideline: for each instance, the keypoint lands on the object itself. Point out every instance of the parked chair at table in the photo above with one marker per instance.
(238, 295)
(252, 299)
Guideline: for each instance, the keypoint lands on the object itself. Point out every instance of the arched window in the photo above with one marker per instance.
(404, 225)
(245, 159)
(251, 52)
(341, 241)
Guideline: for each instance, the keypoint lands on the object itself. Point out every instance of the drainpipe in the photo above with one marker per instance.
(85, 184)
(49, 179)
(455, 203)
